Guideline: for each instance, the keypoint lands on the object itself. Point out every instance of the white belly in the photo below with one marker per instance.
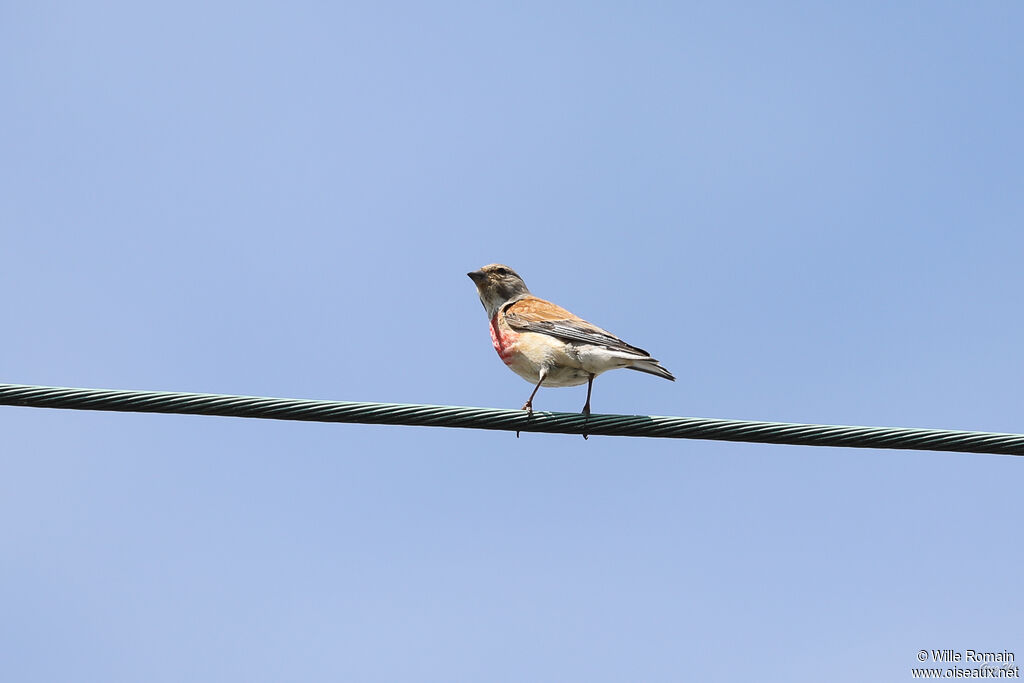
(568, 365)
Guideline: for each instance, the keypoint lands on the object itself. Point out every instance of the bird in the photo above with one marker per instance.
(547, 345)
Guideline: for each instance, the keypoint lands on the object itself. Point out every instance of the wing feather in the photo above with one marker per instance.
(531, 314)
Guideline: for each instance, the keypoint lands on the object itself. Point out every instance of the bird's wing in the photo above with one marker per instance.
(531, 314)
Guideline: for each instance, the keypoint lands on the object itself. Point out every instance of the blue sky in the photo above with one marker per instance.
(809, 212)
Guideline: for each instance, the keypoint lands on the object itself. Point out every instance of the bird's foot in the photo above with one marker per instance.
(528, 407)
(586, 414)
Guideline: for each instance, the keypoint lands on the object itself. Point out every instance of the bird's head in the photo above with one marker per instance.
(497, 284)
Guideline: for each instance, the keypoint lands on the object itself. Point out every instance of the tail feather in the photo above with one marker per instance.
(651, 367)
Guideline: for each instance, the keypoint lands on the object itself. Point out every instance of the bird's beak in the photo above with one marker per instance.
(477, 276)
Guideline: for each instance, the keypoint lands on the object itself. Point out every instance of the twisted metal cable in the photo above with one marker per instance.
(510, 420)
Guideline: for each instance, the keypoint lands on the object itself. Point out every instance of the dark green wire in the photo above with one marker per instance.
(419, 415)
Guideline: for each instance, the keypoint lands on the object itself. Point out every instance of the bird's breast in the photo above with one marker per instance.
(504, 340)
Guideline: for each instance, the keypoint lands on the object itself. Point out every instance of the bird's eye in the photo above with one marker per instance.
(502, 271)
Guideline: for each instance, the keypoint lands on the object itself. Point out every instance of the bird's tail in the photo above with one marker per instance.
(651, 367)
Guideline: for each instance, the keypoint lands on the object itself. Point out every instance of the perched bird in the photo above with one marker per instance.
(547, 345)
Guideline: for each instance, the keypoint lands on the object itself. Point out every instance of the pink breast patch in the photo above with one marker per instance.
(504, 343)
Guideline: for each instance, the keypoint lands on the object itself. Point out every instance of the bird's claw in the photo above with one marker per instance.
(528, 407)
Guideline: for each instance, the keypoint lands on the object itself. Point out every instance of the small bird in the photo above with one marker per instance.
(547, 345)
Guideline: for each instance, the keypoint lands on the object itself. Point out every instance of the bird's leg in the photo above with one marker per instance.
(590, 388)
(528, 406)
(586, 406)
